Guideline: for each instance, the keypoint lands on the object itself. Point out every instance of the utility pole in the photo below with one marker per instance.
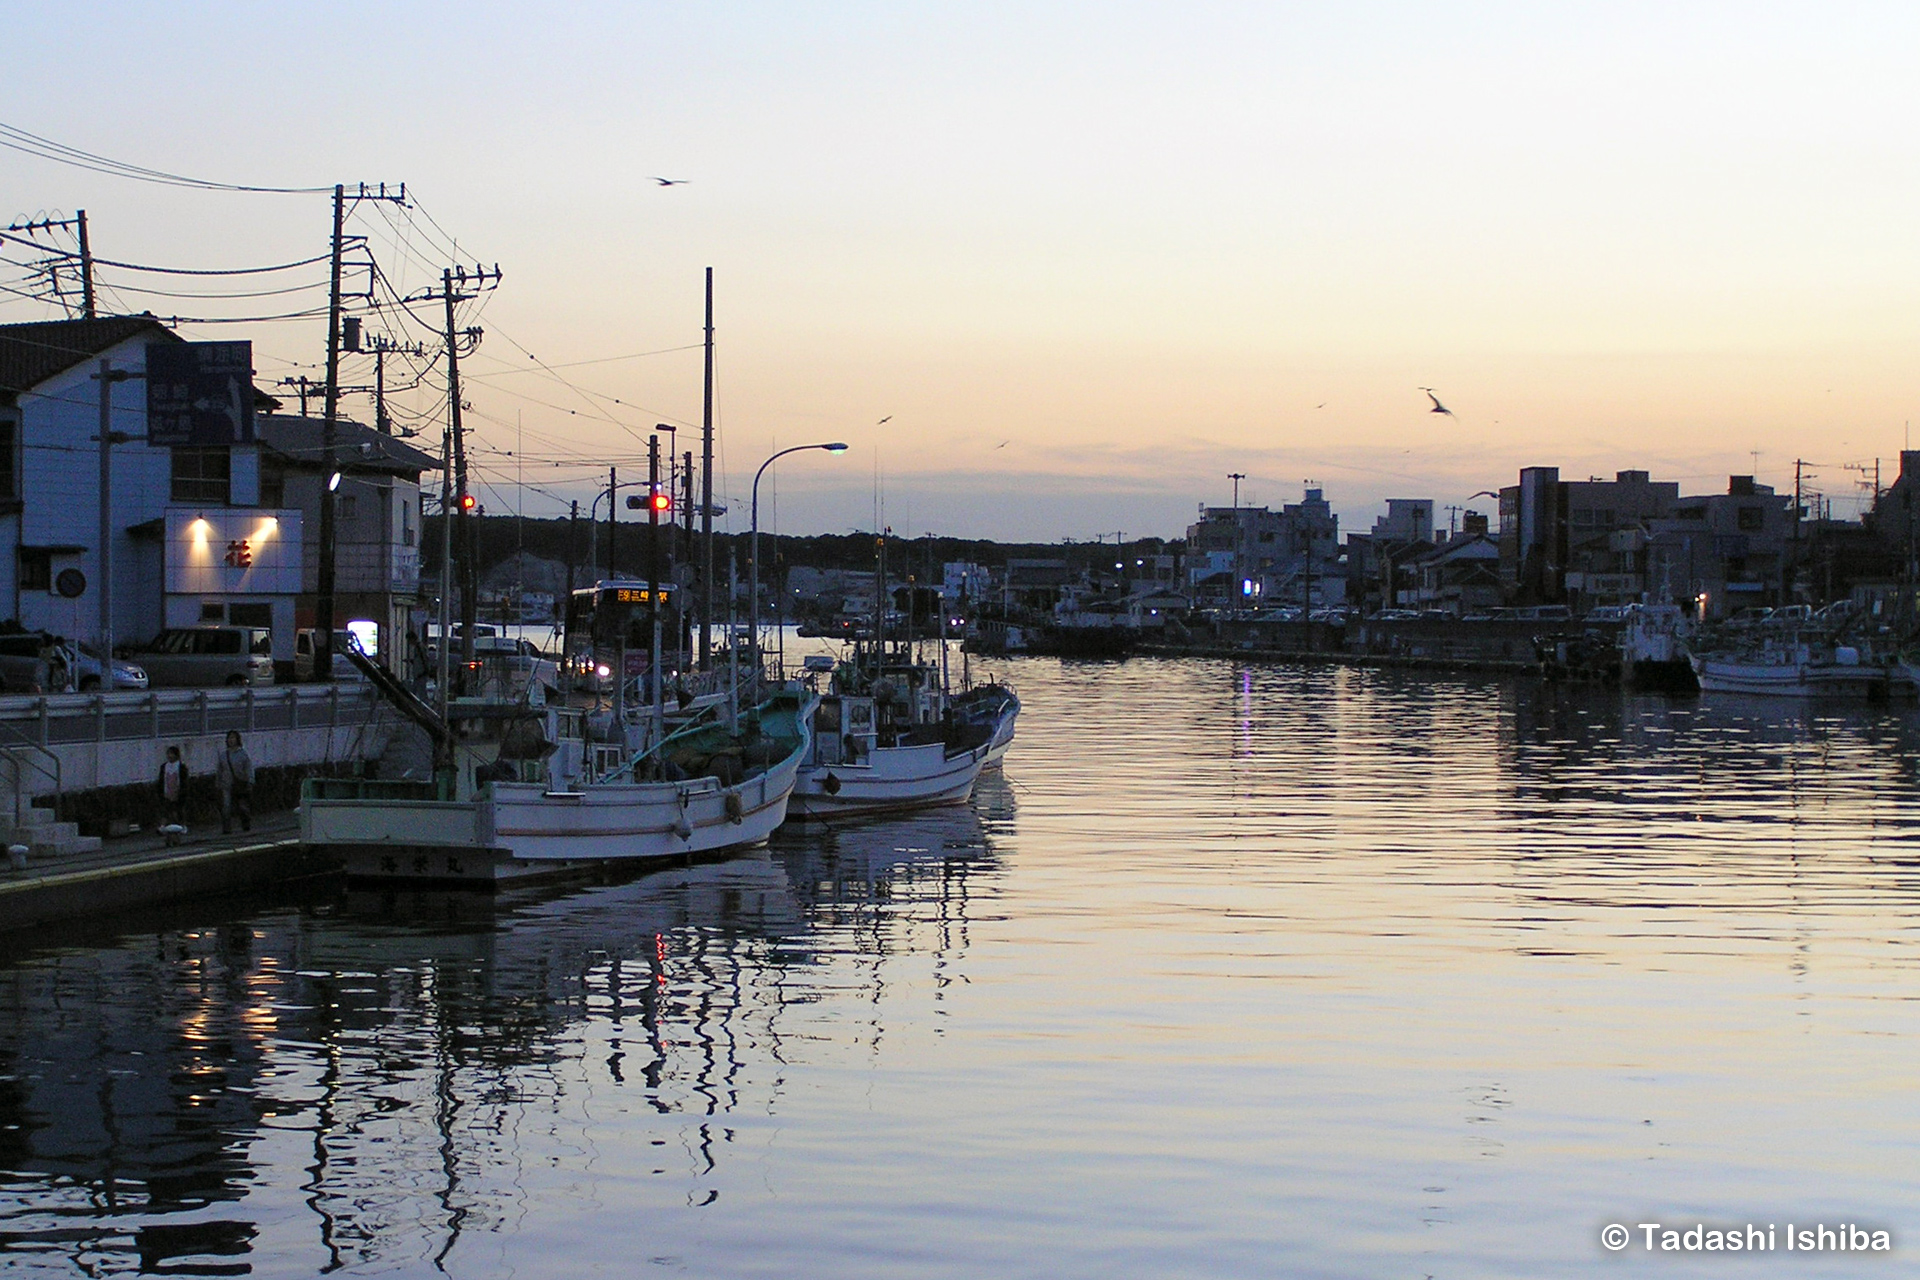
(107, 376)
(706, 494)
(79, 225)
(613, 517)
(323, 609)
(329, 441)
(653, 579)
(86, 288)
(454, 285)
(1793, 570)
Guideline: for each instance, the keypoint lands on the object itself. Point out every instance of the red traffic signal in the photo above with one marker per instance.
(660, 502)
(466, 502)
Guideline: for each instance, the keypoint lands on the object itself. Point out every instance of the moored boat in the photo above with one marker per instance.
(994, 707)
(887, 743)
(519, 793)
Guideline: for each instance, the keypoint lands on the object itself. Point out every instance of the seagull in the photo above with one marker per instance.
(672, 182)
(1003, 444)
(884, 421)
(1437, 406)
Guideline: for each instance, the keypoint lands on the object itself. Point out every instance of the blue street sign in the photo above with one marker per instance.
(199, 393)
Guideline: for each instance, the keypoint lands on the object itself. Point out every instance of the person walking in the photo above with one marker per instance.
(172, 786)
(233, 774)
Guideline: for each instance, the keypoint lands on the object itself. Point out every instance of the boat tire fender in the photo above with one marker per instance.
(736, 812)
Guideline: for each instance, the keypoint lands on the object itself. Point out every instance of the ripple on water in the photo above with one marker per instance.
(1237, 970)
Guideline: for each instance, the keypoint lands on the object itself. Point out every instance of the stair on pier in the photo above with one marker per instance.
(44, 836)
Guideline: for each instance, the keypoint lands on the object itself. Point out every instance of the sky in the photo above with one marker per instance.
(1084, 260)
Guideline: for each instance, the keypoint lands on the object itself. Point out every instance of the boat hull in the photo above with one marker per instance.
(888, 780)
(514, 831)
(1799, 679)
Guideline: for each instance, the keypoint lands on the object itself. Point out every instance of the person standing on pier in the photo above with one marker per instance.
(172, 786)
(233, 774)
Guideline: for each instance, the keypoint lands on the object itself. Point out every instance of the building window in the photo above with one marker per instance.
(406, 522)
(250, 615)
(202, 475)
(36, 569)
(1753, 518)
(273, 488)
(349, 506)
(212, 611)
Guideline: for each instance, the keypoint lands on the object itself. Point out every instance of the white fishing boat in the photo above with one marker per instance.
(887, 743)
(521, 792)
(995, 707)
(1798, 669)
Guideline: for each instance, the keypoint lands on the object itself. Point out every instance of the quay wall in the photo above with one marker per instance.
(75, 745)
(1515, 645)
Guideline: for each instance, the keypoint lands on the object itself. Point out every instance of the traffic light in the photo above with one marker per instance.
(466, 502)
(660, 502)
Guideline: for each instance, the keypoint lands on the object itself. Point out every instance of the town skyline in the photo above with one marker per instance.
(1050, 273)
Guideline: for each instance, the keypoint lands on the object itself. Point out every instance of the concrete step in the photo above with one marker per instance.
(34, 815)
(39, 833)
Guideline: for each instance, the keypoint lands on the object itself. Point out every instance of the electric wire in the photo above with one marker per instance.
(33, 144)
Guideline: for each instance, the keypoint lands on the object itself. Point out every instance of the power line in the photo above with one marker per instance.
(46, 149)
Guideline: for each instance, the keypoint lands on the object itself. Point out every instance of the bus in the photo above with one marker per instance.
(614, 618)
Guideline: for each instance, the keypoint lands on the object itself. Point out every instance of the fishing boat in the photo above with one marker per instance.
(1653, 650)
(518, 792)
(885, 740)
(993, 706)
(1799, 669)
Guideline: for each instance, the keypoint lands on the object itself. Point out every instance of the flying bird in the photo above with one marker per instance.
(1003, 444)
(672, 182)
(884, 421)
(1437, 406)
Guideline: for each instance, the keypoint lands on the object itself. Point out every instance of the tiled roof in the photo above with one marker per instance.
(32, 353)
(298, 440)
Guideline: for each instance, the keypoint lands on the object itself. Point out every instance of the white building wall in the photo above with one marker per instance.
(59, 482)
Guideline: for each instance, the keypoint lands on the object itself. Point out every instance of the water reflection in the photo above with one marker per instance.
(406, 1049)
(1237, 970)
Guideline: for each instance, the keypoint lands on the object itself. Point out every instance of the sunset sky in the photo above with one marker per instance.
(1089, 259)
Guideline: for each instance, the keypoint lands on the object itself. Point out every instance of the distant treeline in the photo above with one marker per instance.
(501, 537)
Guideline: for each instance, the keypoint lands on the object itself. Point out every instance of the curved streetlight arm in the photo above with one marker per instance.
(753, 558)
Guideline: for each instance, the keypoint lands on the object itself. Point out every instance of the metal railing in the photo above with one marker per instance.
(55, 719)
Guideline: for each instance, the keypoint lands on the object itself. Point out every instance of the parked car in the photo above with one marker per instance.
(83, 661)
(32, 662)
(192, 656)
(343, 668)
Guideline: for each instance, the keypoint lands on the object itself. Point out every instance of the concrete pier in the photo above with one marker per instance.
(130, 873)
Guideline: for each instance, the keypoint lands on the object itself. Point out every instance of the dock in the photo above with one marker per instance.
(141, 870)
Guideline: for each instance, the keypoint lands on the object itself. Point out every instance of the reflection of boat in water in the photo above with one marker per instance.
(523, 792)
(839, 862)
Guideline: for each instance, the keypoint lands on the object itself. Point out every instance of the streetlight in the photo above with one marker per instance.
(753, 598)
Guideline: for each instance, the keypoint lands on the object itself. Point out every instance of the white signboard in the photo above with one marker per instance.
(233, 551)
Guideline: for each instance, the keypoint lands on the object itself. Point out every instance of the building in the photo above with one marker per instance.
(1579, 542)
(1255, 553)
(377, 522)
(1723, 552)
(190, 536)
(1461, 575)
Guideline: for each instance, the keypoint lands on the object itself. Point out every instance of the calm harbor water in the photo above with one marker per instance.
(1237, 971)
